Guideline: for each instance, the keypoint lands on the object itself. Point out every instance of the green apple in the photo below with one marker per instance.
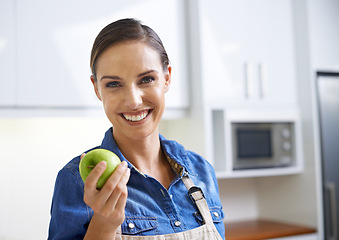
(92, 158)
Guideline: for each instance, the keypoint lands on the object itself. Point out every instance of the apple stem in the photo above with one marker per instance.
(90, 166)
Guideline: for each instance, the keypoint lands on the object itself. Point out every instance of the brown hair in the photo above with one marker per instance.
(128, 29)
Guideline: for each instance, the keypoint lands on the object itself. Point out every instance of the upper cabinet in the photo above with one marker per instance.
(247, 65)
(7, 54)
(52, 43)
(323, 32)
(247, 51)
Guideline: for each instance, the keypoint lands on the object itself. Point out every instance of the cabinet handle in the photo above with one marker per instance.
(332, 211)
(248, 80)
(262, 80)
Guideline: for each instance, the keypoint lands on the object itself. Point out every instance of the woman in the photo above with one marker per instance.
(131, 74)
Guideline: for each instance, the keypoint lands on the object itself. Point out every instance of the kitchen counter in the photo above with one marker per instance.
(263, 229)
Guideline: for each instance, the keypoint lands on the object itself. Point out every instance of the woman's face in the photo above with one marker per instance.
(132, 84)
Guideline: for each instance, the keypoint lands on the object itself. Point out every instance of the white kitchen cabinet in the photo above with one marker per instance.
(324, 34)
(7, 54)
(248, 52)
(54, 40)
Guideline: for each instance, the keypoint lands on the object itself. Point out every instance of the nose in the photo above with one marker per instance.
(133, 97)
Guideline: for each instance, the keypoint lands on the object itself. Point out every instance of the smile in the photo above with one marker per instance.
(136, 116)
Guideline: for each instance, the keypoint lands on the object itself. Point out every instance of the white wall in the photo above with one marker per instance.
(33, 150)
(239, 199)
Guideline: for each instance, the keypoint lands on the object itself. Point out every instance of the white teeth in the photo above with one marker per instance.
(135, 118)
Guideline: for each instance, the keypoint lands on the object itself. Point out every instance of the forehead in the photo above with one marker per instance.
(122, 55)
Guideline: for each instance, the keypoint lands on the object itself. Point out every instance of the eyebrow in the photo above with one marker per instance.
(119, 78)
(110, 77)
(147, 72)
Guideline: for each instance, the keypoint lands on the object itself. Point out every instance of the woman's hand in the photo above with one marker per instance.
(109, 202)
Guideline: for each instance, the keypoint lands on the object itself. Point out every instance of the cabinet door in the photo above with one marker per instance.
(248, 51)
(272, 47)
(55, 39)
(224, 48)
(54, 43)
(324, 34)
(7, 54)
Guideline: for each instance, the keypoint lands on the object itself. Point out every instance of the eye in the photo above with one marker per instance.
(147, 79)
(112, 84)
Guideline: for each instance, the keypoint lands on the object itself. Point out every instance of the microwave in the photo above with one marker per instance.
(263, 144)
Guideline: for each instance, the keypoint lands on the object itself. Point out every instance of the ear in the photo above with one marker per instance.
(95, 85)
(168, 78)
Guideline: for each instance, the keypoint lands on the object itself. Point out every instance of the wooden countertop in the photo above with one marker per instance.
(263, 229)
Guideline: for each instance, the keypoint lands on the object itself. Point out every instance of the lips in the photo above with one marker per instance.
(137, 116)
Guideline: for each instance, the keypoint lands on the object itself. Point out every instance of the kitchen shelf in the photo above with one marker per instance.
(259, 172)
(265, 229)
(220, 147)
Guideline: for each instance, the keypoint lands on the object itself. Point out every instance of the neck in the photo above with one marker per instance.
(143, 153)
(147, 156)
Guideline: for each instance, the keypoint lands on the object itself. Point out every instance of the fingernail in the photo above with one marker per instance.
(124, 164)
(102, 164)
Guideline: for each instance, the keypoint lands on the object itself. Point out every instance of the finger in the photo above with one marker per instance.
(113, 180)
(121, 202)
(95, 174)
(121, 187)
(82, 155)
(117, 200)
(119, 207)
(126, 176)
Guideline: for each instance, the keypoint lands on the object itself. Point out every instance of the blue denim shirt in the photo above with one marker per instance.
(151, 209)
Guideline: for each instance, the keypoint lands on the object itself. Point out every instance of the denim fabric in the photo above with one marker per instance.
(151, 209)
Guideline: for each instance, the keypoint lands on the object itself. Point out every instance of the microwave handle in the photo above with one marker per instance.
(332, 211)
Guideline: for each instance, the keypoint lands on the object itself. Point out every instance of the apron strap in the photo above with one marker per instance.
(198, 198)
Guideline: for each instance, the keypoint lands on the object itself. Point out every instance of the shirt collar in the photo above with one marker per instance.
(176, 155)
(175, 152)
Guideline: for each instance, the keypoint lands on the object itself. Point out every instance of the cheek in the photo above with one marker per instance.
(158, 95)
(162, 88)
(110, 103)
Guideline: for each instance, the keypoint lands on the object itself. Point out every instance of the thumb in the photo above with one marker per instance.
(82, 155)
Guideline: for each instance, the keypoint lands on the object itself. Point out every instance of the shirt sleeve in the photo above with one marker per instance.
(70, 216)
(220, 225)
